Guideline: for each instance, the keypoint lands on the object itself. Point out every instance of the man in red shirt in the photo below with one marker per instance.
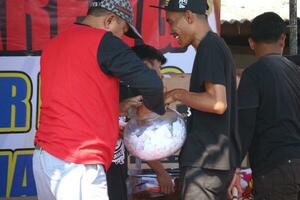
(80, 73)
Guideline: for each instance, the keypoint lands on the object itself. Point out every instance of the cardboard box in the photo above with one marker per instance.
(175, 81)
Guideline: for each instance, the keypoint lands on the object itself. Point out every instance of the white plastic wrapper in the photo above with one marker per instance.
(157, 138)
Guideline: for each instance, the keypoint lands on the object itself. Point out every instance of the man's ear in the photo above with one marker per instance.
(251, 43)
(108, 20)
(146, 62)
(282, 40)
(189, 16)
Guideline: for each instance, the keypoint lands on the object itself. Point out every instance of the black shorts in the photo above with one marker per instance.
(204, 184)
(281, 183)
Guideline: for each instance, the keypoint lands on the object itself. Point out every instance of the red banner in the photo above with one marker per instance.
(26, 25)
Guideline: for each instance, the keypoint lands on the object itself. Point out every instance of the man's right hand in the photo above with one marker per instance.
(128, 103)
(166, 183)
(144, 114)
(235, 184)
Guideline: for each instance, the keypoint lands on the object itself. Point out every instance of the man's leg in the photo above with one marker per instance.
(204, 184)
(278, 184)
(93, 183)
(116, 182)
(64, 180)
(296, 170)
(41, 180)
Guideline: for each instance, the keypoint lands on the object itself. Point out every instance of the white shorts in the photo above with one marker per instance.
(57, 179)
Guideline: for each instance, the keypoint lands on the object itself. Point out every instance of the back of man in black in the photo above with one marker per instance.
(272, 86)
(269, 107)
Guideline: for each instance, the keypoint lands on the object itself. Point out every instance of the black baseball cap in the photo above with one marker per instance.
(123, 9)
(196, 6)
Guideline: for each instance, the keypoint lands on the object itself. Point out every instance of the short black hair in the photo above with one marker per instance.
(97, 11)
(147, 52)
(267, 28)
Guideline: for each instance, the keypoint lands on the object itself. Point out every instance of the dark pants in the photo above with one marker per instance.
(204, 184)
(116, 182)
(281, 183)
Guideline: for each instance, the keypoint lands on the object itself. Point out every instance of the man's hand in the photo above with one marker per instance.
(165, 182)
(164, 179)
(174, 95)
(144, 114)
(235, 183)
(128, 103)
(122, 125)
(121, 131)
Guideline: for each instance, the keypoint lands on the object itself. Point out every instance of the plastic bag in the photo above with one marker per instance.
(156, 138)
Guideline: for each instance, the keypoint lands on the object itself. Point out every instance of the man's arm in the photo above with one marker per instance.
(248, 105)
(117, 59)
(164, 179)
(211, 64)
(248, 100)
(213, 100)
(247, 119)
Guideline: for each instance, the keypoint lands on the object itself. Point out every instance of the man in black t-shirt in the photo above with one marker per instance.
(208, 157)
(117, 173)
(269, 113)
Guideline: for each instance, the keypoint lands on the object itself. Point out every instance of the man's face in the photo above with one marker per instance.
(178, 28)
(118, 27)
(155, 65)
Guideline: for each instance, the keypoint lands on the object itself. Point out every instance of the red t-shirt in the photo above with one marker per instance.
(79, 110)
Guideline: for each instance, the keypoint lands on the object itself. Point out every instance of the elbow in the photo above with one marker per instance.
(220, 108)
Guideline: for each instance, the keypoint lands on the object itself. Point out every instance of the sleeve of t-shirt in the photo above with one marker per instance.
(117, 59)
(212, 61)
(248, 91)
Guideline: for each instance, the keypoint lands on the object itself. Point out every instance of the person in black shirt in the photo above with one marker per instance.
(117, 173)
(269, 112)
(208, 157)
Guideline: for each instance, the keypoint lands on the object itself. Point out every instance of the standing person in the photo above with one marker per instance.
(80, 73)
(208, 156)
(117, 173)
(269, 107)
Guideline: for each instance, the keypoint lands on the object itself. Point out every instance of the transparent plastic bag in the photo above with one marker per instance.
(155, 138)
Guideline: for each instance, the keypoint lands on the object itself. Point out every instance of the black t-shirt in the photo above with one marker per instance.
(211, 140)
(271, 88)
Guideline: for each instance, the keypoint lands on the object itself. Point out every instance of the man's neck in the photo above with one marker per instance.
(94, 22)
(200, 33)
(267, 49)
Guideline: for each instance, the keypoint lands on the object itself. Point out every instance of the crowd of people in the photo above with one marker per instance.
(91, 78)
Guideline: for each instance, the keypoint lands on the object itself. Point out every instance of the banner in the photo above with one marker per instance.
(25, 27)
